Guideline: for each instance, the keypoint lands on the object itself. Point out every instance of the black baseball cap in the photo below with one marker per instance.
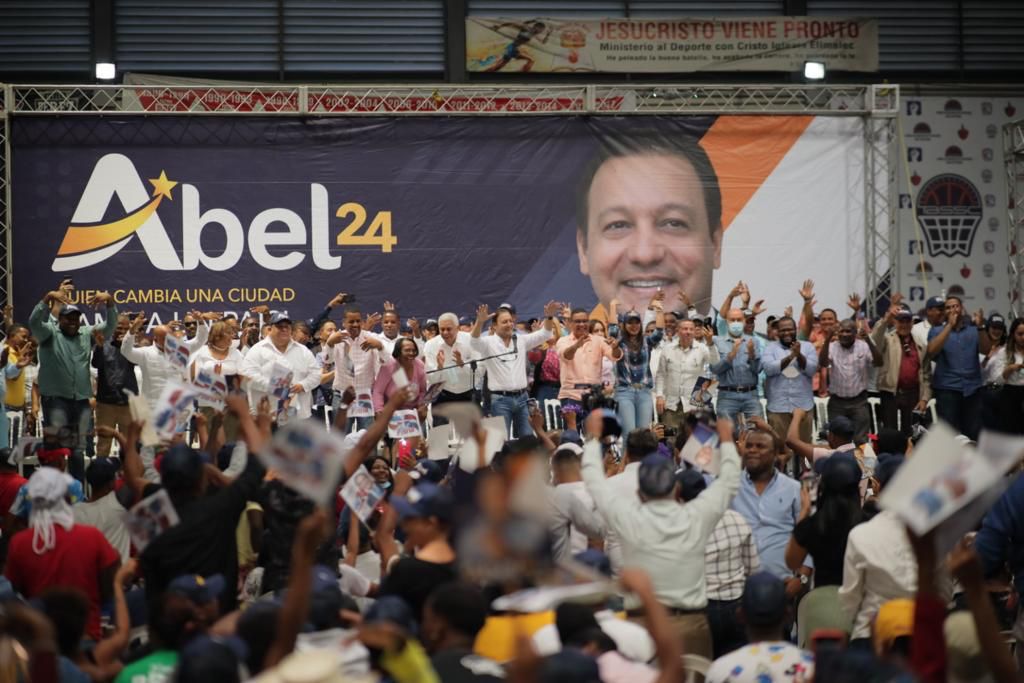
(997, 320)
(935, 302)
(181, 467)
(904, 313)
(632, 315)
(764, 599)
(102, 471)
(69, 309)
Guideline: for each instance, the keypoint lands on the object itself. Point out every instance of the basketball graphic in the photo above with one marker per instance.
(949, 210)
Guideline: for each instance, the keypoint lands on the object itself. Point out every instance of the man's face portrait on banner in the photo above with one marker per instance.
(649, 217)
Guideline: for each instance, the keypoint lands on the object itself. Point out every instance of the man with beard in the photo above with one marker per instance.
(789, 367)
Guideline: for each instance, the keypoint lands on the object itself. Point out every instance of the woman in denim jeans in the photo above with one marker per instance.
(634, 385)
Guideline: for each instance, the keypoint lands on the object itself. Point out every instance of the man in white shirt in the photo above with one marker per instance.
(357, 358)
(935, 314)
(506, 374)
(662, 537)
(447, 357)
(154, 363)
(105, 508)
(565, 471)
(679, 367)
(390, 326)
(668, 338)
(278, 348)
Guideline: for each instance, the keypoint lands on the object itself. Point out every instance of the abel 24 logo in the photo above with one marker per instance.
(89, 241)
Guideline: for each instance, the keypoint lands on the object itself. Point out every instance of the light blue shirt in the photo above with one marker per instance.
(771, 516)
(741, 371)
(786, 393)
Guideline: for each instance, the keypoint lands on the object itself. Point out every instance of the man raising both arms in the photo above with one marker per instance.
(507, 373)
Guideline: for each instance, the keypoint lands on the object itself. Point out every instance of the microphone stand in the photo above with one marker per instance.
(473, 365)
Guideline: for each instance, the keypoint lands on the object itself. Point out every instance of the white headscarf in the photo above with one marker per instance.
(47, 489)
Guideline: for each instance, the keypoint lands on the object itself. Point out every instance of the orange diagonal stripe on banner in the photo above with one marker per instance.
(745, 150)
(81, 239)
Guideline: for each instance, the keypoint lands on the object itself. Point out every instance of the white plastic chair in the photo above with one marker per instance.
(874, 405)
(935, 413)
(328, 416)
(553, 415)
(820, 413)
(13, 427)
(764, 408)
(695, 667)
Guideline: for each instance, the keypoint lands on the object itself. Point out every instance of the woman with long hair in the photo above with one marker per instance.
(1010, 367)
(823, 534)
(634, 383)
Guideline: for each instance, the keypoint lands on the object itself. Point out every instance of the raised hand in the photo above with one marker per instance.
(101, 299)
(759, 307)
(372, 321)
(551, 308)
(854, 302)
(414, 325)
(744, 294)
(735, 291)
(979, 317)
(371, 343)
(807, 291)
(389, 307)
(137, 323)
(338, 300)
(897, 299)
(57, 295)
(483, 313)
(457, 357)
(684, 299)
(787, 312)
(262, 309)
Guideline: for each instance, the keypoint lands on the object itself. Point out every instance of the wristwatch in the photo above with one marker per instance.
(804, 579)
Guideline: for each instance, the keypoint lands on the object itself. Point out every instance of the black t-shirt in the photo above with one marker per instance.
(463, 666)
(826, 549)
(283, 509)
(203, 542)
(413, 580)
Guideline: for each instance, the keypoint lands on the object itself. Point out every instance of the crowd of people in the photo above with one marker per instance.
(591, 544)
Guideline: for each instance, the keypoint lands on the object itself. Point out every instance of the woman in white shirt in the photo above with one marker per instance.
(219, 359)
(1010, 366)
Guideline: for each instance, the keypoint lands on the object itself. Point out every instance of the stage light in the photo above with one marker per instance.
(105, 71)
(814, 71)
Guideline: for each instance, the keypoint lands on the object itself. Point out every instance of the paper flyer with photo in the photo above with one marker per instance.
(944, 477)
(361, 493)
(307, 458)
(173, 410)
(149, 518)
(700, 394)
(176, 351)
(469, 453)
(433, 391)
(280, 381)
(404, 424)
(701, 449)
(362, 406)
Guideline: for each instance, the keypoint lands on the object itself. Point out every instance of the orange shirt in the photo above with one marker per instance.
(584, 368)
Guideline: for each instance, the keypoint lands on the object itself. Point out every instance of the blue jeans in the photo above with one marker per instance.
(732, 403)
(353, 424)
(636, 407)
(515, 411)
(963, 413)
(71, 420)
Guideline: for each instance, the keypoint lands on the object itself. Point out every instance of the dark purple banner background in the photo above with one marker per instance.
(483, 208)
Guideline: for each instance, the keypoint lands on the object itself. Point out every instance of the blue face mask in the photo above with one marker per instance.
(736, 329)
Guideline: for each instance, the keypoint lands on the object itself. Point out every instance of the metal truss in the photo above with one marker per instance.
(1013, 158)
(836, 100)
(878, 105)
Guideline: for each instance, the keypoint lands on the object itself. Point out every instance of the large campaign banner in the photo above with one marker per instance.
(435, 214)
(670, 45)
(953, 201)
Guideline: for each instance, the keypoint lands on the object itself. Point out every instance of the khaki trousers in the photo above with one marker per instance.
(110, 415)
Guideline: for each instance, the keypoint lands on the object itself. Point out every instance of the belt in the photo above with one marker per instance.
(738, 390)
(673, 611)
(993, 385)
(517, 392)
(862, 394)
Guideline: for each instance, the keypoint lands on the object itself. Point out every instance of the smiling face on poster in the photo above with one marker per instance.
(362, 406)
(280, 380)
(361, 493)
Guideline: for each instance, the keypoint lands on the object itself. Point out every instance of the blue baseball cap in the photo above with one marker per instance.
(69, 309)
(764, 599)
(571, 436)
(197, 589)
(425, 499)
(691, 483)
(279, 317)
(840, 425)
(656, 476)
(427, 470)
